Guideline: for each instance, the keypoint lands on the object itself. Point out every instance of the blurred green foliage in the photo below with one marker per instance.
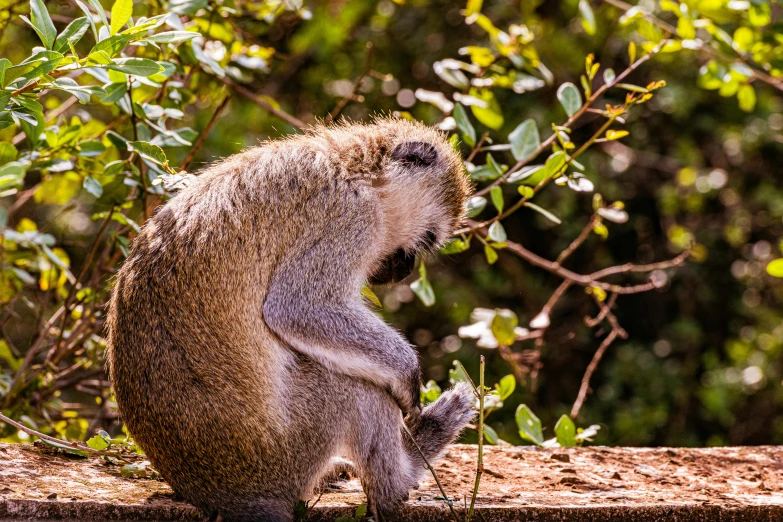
(107, 109)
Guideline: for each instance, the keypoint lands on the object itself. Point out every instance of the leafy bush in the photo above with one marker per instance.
(99, 128)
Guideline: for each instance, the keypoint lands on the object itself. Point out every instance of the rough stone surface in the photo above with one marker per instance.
(523, 483)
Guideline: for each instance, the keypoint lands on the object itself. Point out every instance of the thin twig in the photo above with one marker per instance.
(75, 445)
(345, 100)
(578, 241)
(250, 95)
(480, 463)
(432, 470)
(477, 148)
(589, 372)
(203, 136)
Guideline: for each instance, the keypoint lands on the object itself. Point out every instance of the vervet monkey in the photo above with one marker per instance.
(242, 354)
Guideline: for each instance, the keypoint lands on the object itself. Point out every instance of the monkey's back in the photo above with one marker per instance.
(197, 374)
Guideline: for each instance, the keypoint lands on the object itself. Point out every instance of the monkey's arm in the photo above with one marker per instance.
(314, 305)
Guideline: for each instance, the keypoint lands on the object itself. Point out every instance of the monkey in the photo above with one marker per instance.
(241, 353)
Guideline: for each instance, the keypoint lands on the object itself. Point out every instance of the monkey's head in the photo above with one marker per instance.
(423, 191)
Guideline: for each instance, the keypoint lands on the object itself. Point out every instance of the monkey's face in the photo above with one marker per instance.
(400, 264)
(423, 195)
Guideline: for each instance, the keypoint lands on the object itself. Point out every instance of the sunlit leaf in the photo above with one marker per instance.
(422, 287)
(496, 195)
(121, 12)
(588, 18)
(71, 34)
(464, 125)
(529, 425)
(506, 386)
(41, 22)
(569, 98)
(503, 325)
(476, 205)
(565, 430)
(524, 140)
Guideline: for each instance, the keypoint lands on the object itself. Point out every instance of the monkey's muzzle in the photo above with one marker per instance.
(394, 268)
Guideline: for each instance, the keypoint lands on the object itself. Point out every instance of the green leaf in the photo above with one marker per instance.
(497, 233)
(91, 148)
(490, 435)
(529, 425)
(454, 246)
(526, 192)
(775, 267)
(588, 18)
(368, 294)
(464, 125)
(93, 186)
(569, 98)
(112, 45)
(476, 205)
(565, 432)
(422, 287)
(5, 63)
(496, 194)
(685, 28)
(71, 34)
(503, 325)
(746, 96)
(633, 88)
(551, 217)
(506, 387)
(98, 443)
(172, 37)
(7, 152)
(616, 134)
(430, 392)
(114, 92)
(491, 115)
(458, 373)
(12, 175)
(5, 120)
(149, 151)
(41, 22)
(524, 140)
(121, 12)
(137, 66)
(491, 254)
(101, 12)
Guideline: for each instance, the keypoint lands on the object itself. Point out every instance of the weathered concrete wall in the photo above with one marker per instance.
(525, 483)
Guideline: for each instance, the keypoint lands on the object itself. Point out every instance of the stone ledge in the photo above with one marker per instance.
(574, 484)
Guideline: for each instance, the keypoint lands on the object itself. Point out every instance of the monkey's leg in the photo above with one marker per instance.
(386, 459)
(375, 445)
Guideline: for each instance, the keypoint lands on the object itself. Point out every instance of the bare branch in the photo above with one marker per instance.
(250, 95)
(352, 95)
(204, 134)
(580, 398)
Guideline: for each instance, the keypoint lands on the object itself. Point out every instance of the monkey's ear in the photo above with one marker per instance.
(415, 153)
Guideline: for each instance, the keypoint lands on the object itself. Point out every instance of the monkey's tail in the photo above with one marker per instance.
(441, 422)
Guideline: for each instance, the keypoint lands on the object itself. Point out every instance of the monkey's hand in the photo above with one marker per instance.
(314, 305)
(408, 392)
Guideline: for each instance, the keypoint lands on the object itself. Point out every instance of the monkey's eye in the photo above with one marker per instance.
(415, 153)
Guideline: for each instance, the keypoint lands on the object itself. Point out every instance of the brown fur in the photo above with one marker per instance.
(241, 355)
